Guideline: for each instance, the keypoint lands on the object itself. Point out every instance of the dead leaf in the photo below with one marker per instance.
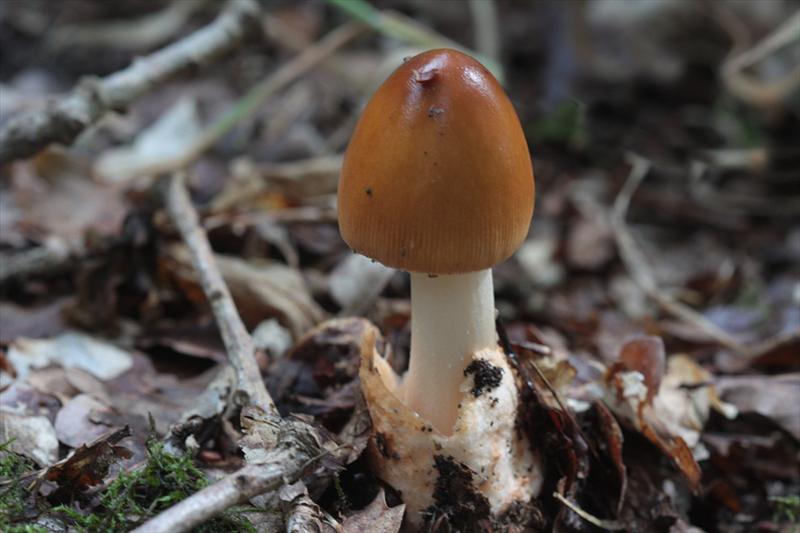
(661, 409)
(357, 281)
(260, 290)
(89, 464)
(590, 243)
(377, 517)
(31, 436)
(22, 398)
(645, 355)
(168, 138)
(775, 397)
(31, 322)
(81, 420)
(59, 203)
(69, 350)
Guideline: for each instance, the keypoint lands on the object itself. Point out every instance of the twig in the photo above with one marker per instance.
(305, 516)
(609, 525)
(238, 342)
(639, 269)
(255, 98)
(288, 448)
(140, 33)
(786, 339)
(34, 262)
(63, 121)
(406, 29)
(297, 450)
(759, 92)
(486, 26)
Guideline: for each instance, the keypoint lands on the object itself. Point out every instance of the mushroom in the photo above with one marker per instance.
(437, 180)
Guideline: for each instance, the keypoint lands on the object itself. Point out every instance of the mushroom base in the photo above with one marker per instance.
(484, 471)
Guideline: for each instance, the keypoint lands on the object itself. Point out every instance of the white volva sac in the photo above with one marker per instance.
(483, 438)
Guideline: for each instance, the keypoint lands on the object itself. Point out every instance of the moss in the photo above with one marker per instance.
(565, 124)
(787, 509)
(25, 528)
(136, 496)
(13, 495)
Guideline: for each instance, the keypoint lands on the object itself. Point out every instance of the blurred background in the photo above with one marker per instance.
(665, 136)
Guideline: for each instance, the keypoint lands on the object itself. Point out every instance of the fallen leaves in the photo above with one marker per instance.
(88, 465)
(377, 517)
(71, 349)
(29, 435)
(260, 290)
(82, 419)
(775, 397)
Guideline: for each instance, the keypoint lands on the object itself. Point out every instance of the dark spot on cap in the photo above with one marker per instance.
(368, 190)
(434, 112)
(486, 377)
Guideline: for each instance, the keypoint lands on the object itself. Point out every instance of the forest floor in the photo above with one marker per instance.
(665, 246)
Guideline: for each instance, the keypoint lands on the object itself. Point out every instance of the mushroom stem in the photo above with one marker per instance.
(452, 317)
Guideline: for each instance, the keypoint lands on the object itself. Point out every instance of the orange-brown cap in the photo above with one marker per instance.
(437, 177)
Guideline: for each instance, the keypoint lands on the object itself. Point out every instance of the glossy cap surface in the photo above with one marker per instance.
(437, 177)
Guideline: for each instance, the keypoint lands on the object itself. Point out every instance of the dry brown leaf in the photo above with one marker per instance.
(669, 408)
(376, 517)
(89, 465)
(260, 290)
(57, 201)
(775, 397)
(29, 435)
(70, 349)
(81, 420)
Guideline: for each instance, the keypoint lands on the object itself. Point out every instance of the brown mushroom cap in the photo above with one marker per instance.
(437, 177)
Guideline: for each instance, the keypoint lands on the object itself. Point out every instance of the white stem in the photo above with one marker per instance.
(452, 317)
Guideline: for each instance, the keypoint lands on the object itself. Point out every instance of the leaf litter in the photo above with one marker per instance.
(648, 422)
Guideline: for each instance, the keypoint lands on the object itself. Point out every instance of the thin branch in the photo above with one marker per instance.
(238, 342)
(63, 121)
(297, 450)
(403, 28)
(34, 262)
(255, 98)
(486, 27)
(753, 90)
(639, 269)
(305, 516)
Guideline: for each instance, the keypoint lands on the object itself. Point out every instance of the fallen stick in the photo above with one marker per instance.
(27, 133)
(238, 343)
(640, 271)
(250, 103)
(287, 448)
(297, 450)
(753, 90)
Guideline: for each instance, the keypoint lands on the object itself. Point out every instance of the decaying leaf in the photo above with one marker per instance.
(168, 138)
(89, 465)
(58, 202)
(357, 281)
(69, 350)
(260, 290)
(669, 406)
(776, 397)
(37, 322)
(82, 419)
(377, 517)
(29, 435)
